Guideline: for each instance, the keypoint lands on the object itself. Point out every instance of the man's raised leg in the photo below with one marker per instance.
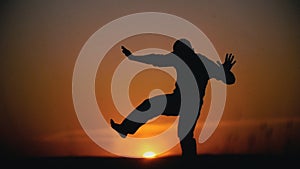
(140, 116)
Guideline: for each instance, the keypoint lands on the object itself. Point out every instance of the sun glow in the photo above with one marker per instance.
(149, 154)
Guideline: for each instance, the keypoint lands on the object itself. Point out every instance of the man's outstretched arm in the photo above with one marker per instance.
(220, 71)
(154, 59)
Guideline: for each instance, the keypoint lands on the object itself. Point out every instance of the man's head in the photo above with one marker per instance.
(182, 46)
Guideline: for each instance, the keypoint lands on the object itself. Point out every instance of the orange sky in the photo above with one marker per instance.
(41, 42)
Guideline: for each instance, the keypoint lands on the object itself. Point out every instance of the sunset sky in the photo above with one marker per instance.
(41, 40)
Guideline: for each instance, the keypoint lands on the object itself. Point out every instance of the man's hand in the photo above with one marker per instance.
(228, 63)
(125, 51)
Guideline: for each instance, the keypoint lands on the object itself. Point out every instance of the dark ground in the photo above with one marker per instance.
(202, 161)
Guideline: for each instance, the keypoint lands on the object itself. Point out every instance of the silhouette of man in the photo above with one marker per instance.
(198, 64)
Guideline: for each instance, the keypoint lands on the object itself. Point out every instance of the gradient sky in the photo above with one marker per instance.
(41, 40)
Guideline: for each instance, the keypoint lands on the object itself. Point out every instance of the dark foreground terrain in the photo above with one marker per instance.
(203, 161)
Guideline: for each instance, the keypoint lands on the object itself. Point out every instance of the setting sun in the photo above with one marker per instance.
(149, 154)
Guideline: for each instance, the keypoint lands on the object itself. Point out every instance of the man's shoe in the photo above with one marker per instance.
(117, 127)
